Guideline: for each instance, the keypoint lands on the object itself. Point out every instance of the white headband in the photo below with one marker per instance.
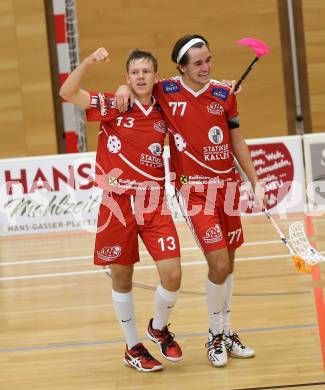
(187, 46)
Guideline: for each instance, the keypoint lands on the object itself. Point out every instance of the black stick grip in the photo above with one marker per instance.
(243, 76)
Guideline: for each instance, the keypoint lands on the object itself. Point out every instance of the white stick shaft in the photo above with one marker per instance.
(279, 231)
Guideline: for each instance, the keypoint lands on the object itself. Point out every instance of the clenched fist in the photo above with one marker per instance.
(98, 56)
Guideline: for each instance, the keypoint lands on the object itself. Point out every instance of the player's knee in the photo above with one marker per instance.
(122, 281)
(218, 274)
(172, 281)
(122, 286)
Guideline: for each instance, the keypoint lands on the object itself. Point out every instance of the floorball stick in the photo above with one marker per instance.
(260, 49)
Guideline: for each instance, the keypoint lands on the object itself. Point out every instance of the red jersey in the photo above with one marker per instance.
(130, 145)
(199, 122)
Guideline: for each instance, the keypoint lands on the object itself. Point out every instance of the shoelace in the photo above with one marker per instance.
(216, 343)
(141, 350)
(236, 340)
(166, 334)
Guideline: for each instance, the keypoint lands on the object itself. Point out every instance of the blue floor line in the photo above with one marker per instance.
(118, 341)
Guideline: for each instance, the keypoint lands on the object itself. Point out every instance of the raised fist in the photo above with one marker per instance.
(98, 56)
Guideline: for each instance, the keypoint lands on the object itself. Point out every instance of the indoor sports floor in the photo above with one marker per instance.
(58, 328)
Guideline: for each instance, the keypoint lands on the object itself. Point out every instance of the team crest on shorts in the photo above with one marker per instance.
(213, 234)
(109, 253)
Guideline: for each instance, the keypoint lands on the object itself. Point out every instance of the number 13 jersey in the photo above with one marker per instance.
(130, 145)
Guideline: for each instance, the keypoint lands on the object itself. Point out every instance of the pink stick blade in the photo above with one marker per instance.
(259, 47)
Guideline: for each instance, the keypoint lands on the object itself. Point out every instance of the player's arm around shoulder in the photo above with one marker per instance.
(124, 96)
(70, 90)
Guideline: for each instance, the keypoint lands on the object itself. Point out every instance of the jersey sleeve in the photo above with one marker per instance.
(102, 107)
(232, 113)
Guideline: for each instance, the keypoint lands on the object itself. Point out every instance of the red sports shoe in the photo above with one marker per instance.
(165, 340)
(139, 358)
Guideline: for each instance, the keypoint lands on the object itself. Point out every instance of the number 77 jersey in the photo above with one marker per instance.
(200, 123)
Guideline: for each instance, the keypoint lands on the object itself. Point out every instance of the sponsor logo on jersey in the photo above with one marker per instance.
(216, 152)
(183, 179)
(215, 108)
(160, 126)
(220, 93)
(151, 160)
(170, 87)
(215, 135)
(199, 179)
(156, 149)
(213, 234)
(109, 253)
(112, 181)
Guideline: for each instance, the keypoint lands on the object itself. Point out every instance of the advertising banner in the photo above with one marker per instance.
(46, 194)
(57, 193)
(279, 164)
